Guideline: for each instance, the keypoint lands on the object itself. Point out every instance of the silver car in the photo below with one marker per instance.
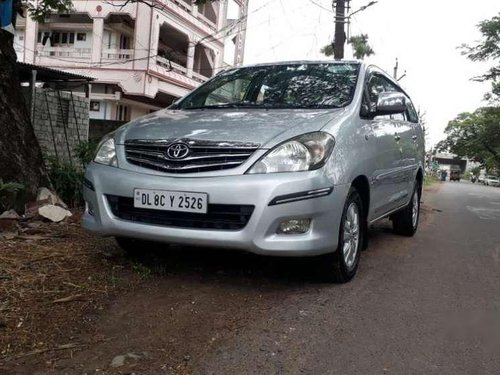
(288, 159)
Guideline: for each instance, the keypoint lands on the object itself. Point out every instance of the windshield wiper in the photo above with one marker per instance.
(227, 105)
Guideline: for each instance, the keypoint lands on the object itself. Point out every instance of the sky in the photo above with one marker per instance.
(422, 34)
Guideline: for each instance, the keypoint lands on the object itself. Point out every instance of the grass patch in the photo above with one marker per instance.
(430, 180)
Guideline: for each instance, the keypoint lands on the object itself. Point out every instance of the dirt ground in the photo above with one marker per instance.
(71, 303)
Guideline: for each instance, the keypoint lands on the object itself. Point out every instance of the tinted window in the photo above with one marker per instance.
(411, 113)
(280, 86)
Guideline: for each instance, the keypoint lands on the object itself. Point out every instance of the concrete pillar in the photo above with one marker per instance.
(30, 40)
(143, 38)
(222, 15)
(194, 10)
(190, 58)
(97, 35)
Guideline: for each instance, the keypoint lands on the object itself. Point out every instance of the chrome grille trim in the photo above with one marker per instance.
(204, 156)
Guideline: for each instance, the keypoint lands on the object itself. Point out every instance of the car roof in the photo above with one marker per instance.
(300, 62)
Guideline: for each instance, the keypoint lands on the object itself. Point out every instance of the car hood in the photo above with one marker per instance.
(264, 127)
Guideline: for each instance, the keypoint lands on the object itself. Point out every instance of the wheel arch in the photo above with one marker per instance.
(420, 179)
(363, 187)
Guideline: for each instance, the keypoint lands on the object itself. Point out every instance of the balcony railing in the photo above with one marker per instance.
(207, 22)
(117, 54)
(176, 71)
(170, 65)
(199, 77)
(184, 5)
(64, 52)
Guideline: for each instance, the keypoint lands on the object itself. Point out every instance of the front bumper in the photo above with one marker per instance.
(258, 236)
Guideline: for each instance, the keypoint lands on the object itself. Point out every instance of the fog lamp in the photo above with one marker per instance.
(294, 226)
(89, 208)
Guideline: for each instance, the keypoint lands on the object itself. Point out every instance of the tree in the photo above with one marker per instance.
(360, 46)
(476, 136)
(488, 49)
(20, 155)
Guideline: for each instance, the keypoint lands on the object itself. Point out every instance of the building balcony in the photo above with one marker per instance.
(53, 53)
(174, 72)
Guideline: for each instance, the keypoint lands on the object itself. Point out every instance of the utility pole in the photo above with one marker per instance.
(339, 39)
(395, 75)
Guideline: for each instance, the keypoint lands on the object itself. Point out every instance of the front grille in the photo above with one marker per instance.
(201, 156)
(218, 216)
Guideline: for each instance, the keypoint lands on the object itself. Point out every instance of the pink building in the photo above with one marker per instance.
(142, 58)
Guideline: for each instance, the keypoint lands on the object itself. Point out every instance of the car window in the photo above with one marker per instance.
(325, 85)
(229, 92)
(376, 85)
(411, 113)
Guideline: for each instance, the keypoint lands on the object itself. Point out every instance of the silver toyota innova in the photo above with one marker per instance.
(285, 159)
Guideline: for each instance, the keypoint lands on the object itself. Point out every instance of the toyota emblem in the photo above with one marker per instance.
(177, 151)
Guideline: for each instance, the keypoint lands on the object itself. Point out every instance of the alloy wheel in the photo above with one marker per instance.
(351, 235)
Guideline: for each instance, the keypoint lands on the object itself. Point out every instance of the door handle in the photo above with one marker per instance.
(397, 137)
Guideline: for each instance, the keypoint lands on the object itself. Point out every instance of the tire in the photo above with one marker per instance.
(342, 265)
(405, 222)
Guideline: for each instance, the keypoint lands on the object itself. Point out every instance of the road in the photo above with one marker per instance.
(428, 304)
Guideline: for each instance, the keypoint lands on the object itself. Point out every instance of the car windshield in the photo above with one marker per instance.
(326, 85)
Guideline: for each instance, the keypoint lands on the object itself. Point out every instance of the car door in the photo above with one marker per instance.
(388, 179)
(416, 149)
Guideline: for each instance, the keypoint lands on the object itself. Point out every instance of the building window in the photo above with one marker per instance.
(95, 106)
(122, 113)
(81, 37)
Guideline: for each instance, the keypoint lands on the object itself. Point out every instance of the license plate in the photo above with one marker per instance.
(171, 200)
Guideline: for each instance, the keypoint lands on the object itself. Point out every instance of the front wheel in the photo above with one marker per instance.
(405, 222)
(341, 266)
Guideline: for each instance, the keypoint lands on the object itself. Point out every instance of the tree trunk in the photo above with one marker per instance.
(20, 154)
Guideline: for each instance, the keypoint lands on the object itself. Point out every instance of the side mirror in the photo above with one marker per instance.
(390, 103)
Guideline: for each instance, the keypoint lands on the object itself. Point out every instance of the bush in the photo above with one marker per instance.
(11, 196)
(85, 152)
(67, 180)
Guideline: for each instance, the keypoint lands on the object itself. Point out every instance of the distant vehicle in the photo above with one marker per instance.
(455, 175)
(491, 180)
(480, 178)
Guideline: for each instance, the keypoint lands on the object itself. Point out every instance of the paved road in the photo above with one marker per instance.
(426, 305)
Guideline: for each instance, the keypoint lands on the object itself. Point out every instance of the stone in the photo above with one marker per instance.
(46, 196)
(122, 359)
(10, 214)
(53, 213)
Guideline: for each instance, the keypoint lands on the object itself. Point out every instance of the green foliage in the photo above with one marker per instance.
(85, 151)
(10, 193)
(41, 9)
(488, 49)
(327, 50)
(361, 48)
(475, 171)
(67, 181)
(430, 179)
(476, 136)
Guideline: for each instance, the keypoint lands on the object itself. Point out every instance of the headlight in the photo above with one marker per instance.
(106, 153)
(304, 153)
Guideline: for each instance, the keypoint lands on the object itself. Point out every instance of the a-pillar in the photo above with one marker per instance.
(97, 35)
(190, 58)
